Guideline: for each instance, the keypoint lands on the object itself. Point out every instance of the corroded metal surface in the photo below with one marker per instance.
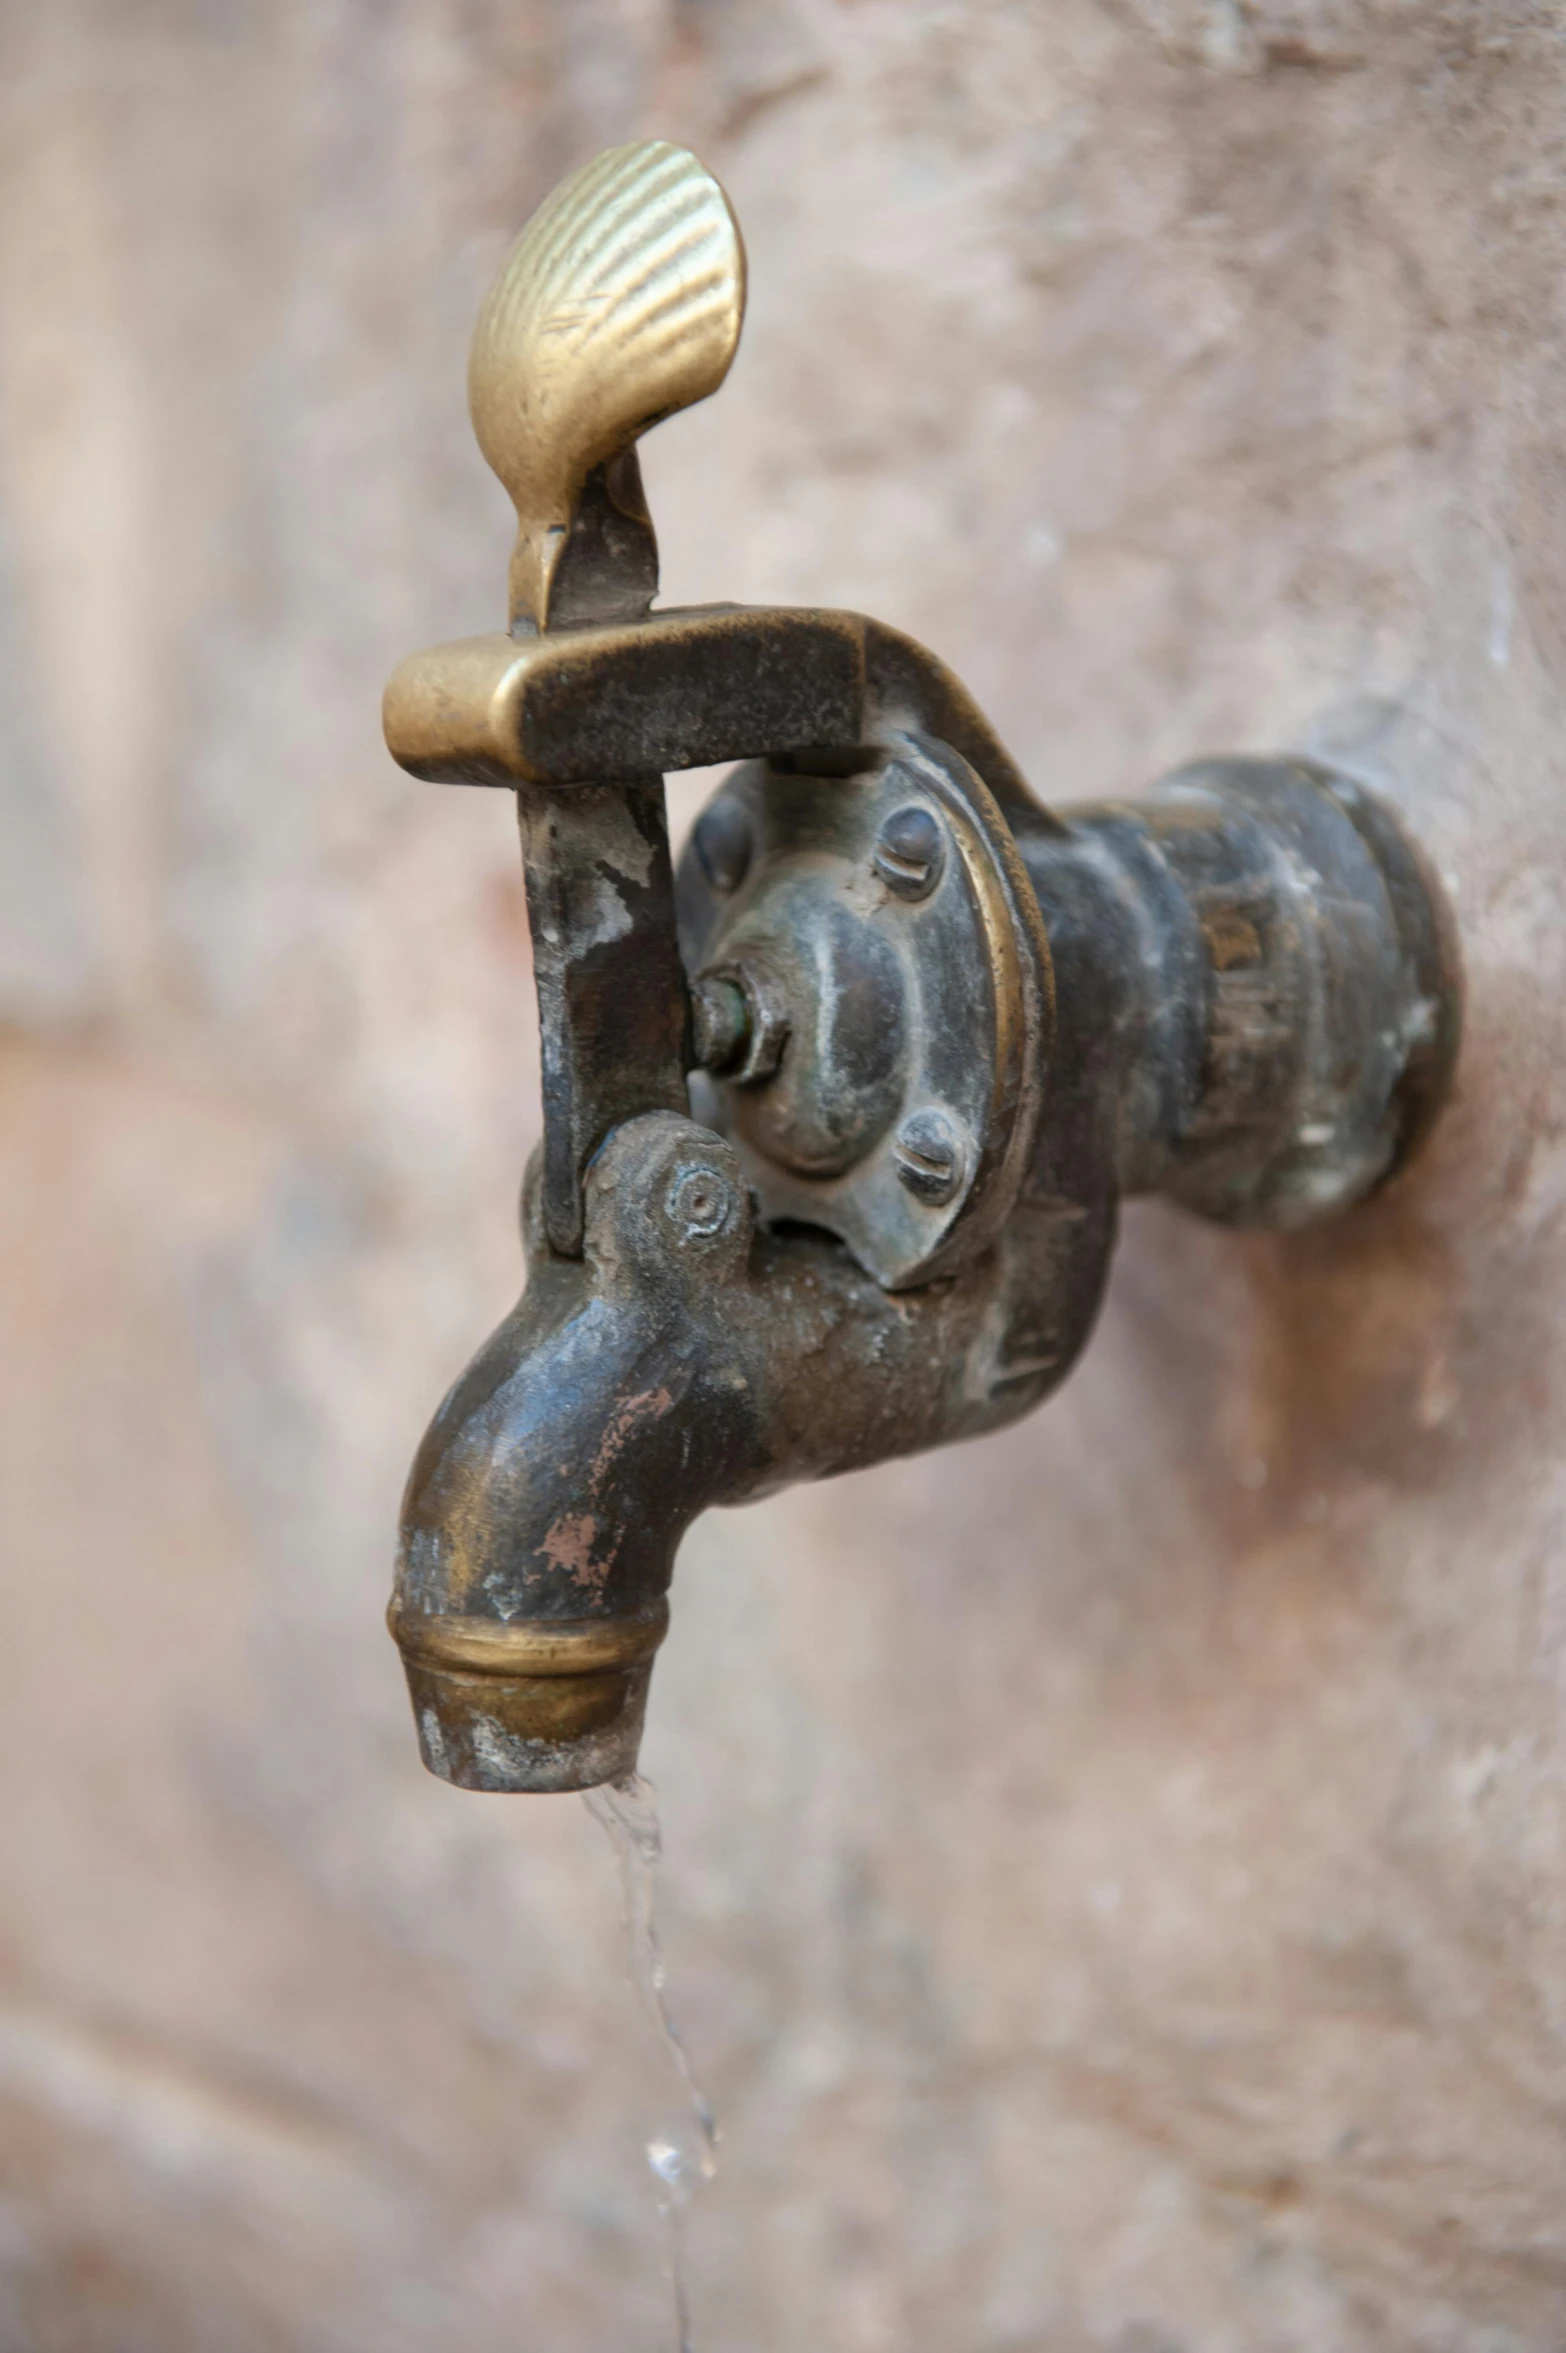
(611, 991)
(688, 1358)
(1269, 981)
(916, 1004)
(939, 1034)
(681, 689)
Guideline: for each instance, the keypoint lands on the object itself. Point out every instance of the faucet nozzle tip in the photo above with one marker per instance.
(549, 1704)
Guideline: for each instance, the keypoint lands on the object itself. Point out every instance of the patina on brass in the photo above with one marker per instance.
(682, 689)
(865, 1201)
(550, 1646)
(935, 1007)
(480, 1684)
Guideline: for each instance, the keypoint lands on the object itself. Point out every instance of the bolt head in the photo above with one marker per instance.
(737, 1012)
(720, 1022)
(930, 1156)
(910, 851)
(723, 842)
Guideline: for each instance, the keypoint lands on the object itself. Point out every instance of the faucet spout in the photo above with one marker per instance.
(686, 1359)
(545, 1504)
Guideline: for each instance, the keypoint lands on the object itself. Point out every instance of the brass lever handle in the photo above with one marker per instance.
(621, 302)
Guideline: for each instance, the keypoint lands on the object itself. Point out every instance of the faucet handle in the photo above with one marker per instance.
(620, 302)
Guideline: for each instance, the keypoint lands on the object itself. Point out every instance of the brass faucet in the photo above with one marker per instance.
(836, 1124)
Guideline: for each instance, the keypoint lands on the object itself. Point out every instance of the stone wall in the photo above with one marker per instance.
(1117, 1872)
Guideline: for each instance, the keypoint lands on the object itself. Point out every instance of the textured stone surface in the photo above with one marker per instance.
(1117, 1883)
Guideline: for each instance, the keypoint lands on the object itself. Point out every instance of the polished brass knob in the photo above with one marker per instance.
(620, 303)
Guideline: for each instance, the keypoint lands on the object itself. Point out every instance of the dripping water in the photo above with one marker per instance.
(682, 2152)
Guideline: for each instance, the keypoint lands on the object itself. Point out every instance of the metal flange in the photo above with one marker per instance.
(874, 1001)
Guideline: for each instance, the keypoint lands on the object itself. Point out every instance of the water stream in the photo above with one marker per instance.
(682, 2151)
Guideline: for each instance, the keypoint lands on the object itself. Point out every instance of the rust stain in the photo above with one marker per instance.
(568, 1545)
(1232, 939)
(648, 1405)
(569, 1541)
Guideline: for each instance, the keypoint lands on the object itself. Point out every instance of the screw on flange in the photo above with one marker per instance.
(700, 1202)
(722, 841)
(928, 1155)
(910, 851)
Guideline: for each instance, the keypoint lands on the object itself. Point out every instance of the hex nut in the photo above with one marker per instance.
(910, 851)
(930, 1156)
(723, 842)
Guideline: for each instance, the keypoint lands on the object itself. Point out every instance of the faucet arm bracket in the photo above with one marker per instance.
(620, 302)
(613, 1011)
(689, 688)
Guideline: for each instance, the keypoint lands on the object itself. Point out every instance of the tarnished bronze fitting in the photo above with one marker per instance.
(488, 1697)
(850, 1189)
